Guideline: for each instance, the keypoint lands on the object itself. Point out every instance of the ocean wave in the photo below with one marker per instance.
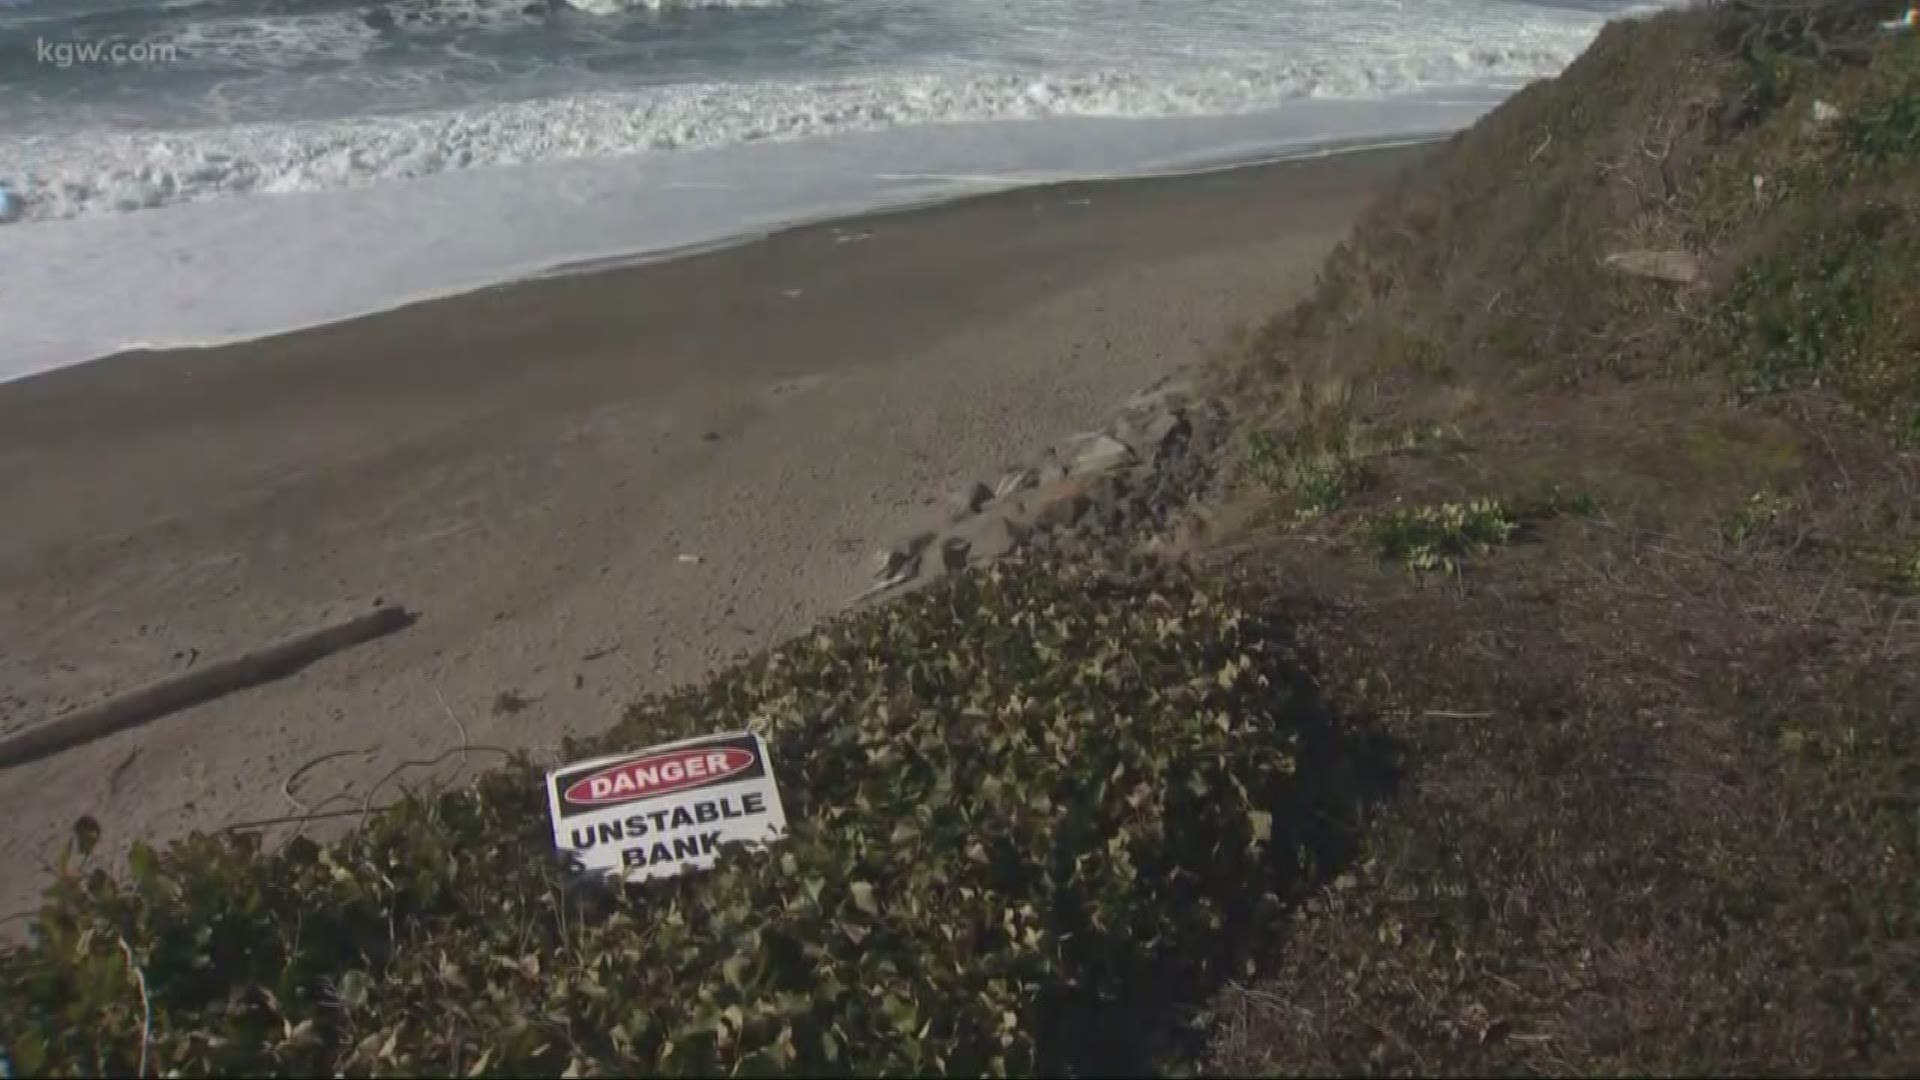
(64, 176)
(285, 41)
(611, 7)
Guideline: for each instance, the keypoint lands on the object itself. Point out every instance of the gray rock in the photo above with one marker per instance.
(969, 499)
(1063, 513)
(1100, 454)
(1051, 473)
(1164, 435)
(1049, 505)
(983, 539)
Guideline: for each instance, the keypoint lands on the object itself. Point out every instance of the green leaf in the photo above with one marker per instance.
(352, 989)
(1260, 824)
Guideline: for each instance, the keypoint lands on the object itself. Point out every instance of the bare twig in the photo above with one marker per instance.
(146, 1004)
(286, 786)
(423, 763)
(293, 819)
(465, 742)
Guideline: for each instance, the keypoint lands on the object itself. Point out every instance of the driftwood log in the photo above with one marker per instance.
(202, 684)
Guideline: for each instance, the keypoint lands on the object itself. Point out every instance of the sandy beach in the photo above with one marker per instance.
(589, 487)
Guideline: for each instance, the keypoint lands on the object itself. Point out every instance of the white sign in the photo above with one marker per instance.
(659, 811)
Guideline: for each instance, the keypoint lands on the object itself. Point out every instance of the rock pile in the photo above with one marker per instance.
(1089, 490)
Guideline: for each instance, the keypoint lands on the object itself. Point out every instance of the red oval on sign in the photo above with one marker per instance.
(658, 774)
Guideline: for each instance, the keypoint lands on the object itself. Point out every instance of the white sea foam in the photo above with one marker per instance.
(201, 273)
(286, 41)
(607, 7)
(61, 176)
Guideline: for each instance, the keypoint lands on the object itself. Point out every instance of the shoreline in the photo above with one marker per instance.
(590, 487)
(1227, 162)
(228, 270)
(1332, 149)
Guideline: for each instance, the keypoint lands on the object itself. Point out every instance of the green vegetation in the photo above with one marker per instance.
(1320, 456)
(1841, 308)
(1833, 299)
(1429, 538)
(1754, 517)
(1319, 479)
(1024, 803)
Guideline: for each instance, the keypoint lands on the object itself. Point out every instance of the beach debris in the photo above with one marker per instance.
(840, 237)
(197, 686)
(897, 565)
(1679, 267)
(900, 569)
(793, 294)
(694, 559)
(1015, 480)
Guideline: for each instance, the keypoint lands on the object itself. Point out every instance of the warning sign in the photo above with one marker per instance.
(659, 811)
